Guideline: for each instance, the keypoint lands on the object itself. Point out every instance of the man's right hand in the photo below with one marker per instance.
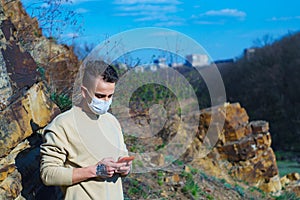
(111, 166)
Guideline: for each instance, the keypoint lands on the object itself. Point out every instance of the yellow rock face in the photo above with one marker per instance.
(11, 187)
(19, 120)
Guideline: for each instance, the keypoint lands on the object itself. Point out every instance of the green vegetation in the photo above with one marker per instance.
(253, 189)
(287, 196)
(133, 144)
(286, 167)
(160, 177)
(42, 72)
(178, 162)
(191, 186)
(62, 101)
(136, 188)
(286, 162)
(137, 163)
(239, 189)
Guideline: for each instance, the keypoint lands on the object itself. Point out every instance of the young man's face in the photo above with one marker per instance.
(102, 90)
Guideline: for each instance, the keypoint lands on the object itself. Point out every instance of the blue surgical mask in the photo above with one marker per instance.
(99, 106)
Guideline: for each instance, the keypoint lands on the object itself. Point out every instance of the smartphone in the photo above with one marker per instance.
(126, 159)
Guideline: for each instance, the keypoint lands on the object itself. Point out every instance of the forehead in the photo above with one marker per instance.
(103, 87)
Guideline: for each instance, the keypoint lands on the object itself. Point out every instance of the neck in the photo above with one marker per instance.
(84, 106)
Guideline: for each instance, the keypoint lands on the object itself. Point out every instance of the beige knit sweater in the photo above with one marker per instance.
(77, 139)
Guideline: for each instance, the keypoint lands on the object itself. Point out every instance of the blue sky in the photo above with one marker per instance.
(223, 27)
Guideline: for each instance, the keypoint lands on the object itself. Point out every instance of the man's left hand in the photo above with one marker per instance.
(124, 170)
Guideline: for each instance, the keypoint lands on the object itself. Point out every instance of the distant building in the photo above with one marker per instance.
(122, 66)
(161, 63)
(197, 60)
(139, 68)
(177, 64)
(152, 68)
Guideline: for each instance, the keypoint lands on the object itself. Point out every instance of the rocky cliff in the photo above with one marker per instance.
(31, 66)
(243, 149)
(57, 64)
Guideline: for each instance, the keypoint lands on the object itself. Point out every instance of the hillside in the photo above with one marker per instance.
(267, 84)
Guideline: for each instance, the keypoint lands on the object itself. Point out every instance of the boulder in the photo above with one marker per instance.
(291, 182)
(11, 187)
(24, 116)
(243, 148)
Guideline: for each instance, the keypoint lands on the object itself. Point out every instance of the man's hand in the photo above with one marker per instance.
(111, 166)
(125, 169)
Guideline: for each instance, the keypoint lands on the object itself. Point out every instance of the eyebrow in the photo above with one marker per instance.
(99, 95)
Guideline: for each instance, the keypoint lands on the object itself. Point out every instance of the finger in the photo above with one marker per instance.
(123, 169)
(129, 163)
(111, 169)
(110, 174)
(118, 165)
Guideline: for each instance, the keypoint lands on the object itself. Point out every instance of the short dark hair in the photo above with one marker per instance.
(94, 69)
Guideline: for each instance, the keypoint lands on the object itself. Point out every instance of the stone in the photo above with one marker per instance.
(234, 134)
(23, 117)
(187, 169)
(296, 189)
(236, 116)
(10, 158)
(284, 181)
(258, 170)
(158, 160)
(20, 66)
(293, 176)
(263, 140)
(243, 148)
(259, 126)
(11, 187)
(4, 171)
(272, 185)
(291, 182)
(172, 180)
(8, 167)
(238, 151)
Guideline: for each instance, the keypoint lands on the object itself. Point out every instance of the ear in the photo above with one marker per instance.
(83, 91)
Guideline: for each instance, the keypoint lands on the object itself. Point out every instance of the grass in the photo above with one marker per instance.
(287, 196)
(191, 186)
(286, 162)
(286, 167)
(160, 179)
(136, 188)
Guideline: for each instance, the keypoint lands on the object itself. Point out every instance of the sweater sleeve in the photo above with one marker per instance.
(53, 157)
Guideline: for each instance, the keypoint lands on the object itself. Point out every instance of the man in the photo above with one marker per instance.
(83, 145)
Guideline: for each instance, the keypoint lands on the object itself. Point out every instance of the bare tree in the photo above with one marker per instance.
(266, 40)
(56, 18)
